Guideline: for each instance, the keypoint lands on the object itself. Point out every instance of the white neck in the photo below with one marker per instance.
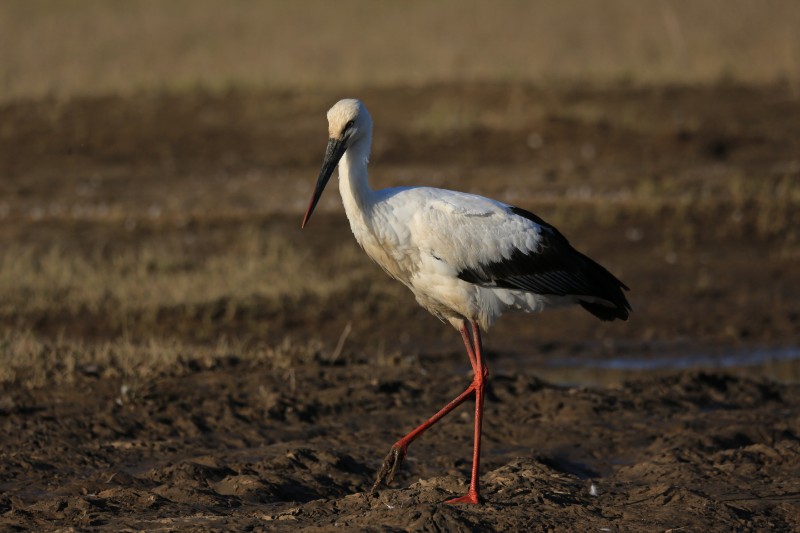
(353, 179)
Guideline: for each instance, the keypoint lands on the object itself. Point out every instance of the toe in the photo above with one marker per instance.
(469, 498)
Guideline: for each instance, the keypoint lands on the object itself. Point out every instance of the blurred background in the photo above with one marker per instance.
(94, 47)
(156, 158)
(175, 353)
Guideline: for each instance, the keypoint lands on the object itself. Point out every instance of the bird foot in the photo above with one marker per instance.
(390, 466)
(470, 498)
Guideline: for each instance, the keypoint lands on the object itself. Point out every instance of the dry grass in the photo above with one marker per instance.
(166, 271)
(189, 263)
(34, 361)
(135, 284)
(173, 270)
(92, 46)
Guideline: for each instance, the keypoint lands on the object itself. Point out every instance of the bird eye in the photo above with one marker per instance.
(349, 125)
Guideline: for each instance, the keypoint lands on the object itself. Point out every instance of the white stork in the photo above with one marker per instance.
(466, 258)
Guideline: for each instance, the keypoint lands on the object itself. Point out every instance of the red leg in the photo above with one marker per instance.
(408, 439)
(468, 343)
(400, 448)
(481, 373)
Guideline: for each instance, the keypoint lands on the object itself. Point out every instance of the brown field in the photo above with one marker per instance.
(96, 47)
(176, 354)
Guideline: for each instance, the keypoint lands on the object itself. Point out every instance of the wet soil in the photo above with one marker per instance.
(229, 445)
(236, 443)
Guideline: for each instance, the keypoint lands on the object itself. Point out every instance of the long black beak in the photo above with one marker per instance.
(333, 153)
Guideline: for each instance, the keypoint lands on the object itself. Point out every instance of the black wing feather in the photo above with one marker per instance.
(556, 268)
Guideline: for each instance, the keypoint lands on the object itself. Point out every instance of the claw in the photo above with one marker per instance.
(390, 466)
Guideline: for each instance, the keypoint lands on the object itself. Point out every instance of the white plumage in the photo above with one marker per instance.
(466, 258)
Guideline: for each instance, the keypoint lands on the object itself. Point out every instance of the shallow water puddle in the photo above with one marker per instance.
(781, 364)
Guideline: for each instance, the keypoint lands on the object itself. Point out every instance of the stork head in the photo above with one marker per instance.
(348, 122)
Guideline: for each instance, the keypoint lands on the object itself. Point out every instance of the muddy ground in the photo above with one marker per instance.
(689, 194)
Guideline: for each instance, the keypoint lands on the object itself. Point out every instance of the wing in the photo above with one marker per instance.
(496, 245)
